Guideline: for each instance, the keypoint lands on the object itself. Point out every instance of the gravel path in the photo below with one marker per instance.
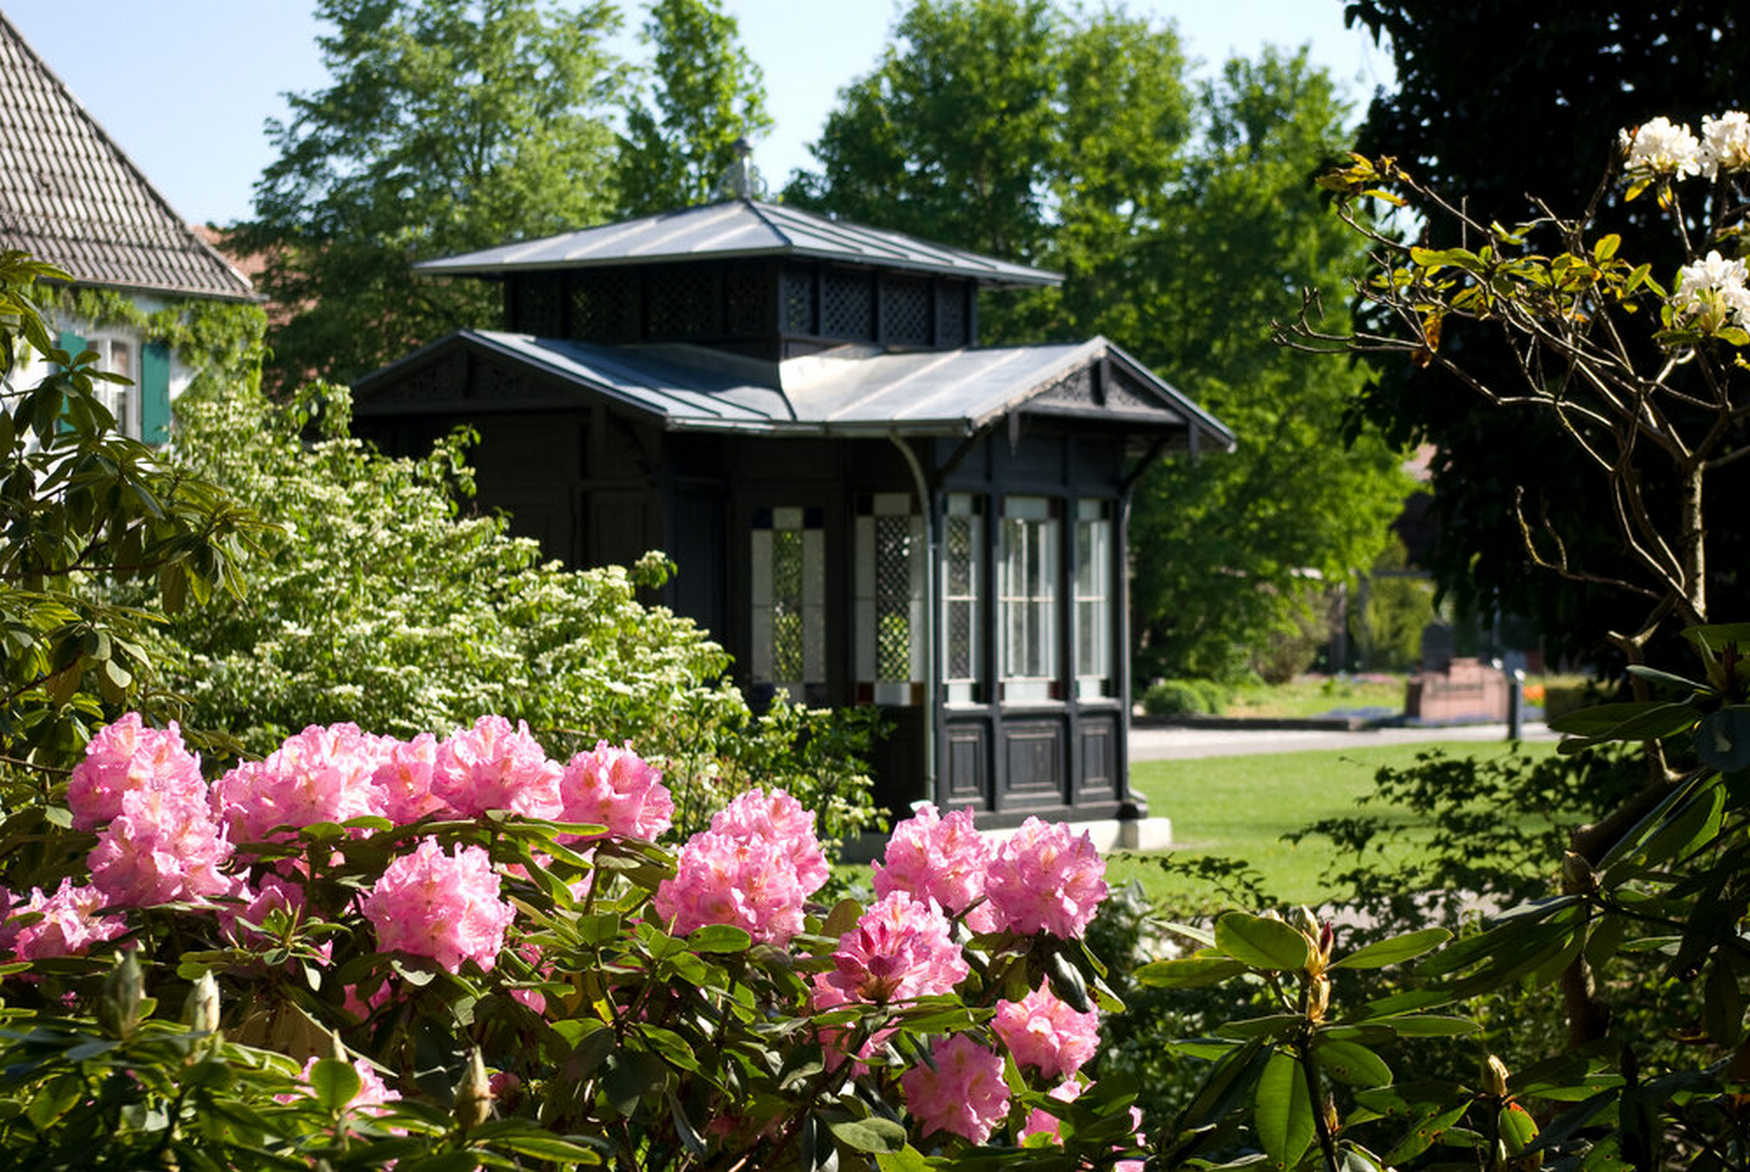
(1161, 744)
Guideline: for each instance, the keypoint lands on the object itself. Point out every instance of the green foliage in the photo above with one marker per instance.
(706, 93)
(82, 506)
(1184, 224)
(1588, 69)
(378, 601)
(1387, 627)
(610, 1039)
(1184, 698)
(448, 126)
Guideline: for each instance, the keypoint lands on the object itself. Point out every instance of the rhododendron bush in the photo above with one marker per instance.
(460, 952)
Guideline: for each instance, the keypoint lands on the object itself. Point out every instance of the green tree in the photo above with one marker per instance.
(83, 507)
(1183, 224)
(450, 125)
(1587, 70)
(707, 93)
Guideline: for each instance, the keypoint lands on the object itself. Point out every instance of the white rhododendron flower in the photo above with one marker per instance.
(1725, 143)
(1661, 148)
(1711, 294)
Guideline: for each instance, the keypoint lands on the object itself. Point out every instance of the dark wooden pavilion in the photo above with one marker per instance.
(866, 506)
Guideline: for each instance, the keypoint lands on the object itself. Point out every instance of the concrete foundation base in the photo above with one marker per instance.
(1109, 834)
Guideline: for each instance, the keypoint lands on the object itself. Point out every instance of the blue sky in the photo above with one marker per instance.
(185, 91)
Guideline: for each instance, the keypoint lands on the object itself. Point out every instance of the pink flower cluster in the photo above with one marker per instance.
(494, 766)
(443, 906)
(1043, 1122)
(1044, 879)
(963, 1092)
(373, 1092)
(72, 921)
(617, 789)
(159, 841)
(944, 859)
(318, 775)
(900, 950)
(755, 868)
(1043, 1031)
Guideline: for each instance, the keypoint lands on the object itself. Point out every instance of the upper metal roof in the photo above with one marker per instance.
(734, 228)
(68, 195)
(848, 391)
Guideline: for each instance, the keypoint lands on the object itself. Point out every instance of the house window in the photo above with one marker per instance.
(889, 599)
(962, 571)
(789, 602)
(116, 355)
(1027, 597)
(1094, 598)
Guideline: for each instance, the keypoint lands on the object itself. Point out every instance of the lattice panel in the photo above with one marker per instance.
(951, 315)
(960, 555)
(540, 304)
(787, 658)
(960, 640)
(744, 301)
(846, 307)
(893, 598)
(598, 306)
(798, 301)
(905, 311)
(682, 302)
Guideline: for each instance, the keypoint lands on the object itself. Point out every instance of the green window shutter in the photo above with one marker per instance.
(155, 392)
(70, 342)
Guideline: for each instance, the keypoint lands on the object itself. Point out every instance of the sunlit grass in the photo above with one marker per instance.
(1241, 807)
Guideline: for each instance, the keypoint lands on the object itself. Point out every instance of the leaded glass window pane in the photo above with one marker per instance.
(788, 587)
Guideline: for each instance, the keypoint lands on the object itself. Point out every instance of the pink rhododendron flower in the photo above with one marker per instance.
(1044, 879)
(1042, 1030)
(617, 789)
(779, 818)
(125, 757)
(318, 775)
(162, 846)
(1043, 1122)
(404, 779)
(372, 1092)
(443, 906)
(70, 923)
(494, 766)
(722, 879)
(276, 893)
(939, 858)
(900, 950)
(964, 1094)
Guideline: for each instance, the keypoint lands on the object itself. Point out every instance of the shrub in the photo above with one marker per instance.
(1176, 698)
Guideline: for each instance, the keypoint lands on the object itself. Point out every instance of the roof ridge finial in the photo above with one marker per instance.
(741, 179)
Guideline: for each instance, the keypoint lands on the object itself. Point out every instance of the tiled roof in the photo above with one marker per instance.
(736, 228)
(68, 195)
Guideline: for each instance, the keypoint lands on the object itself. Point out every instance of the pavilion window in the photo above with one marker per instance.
(1027, 597)
(889, 615)
(962, 572)
(789, 601)
(1093, 598)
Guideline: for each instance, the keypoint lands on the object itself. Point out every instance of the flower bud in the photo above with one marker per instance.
(1495, 1077)
(1578, 877)
(124, 990)
(1306, 922)
(474, 1092)
(201, 1010)
(1318, 998)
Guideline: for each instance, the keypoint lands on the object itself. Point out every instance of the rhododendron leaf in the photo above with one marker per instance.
(1282, 1111)
(873, 1134)
(1352, 1063)
(1262, 943)
(336, 1083)
(446, 1162)
(906, 1159)
(368, 822)
(1394, 950)
(1067, 982)
(321, 832)
(418, 977)
(842, 918)
(632, 1075)
(720, 938)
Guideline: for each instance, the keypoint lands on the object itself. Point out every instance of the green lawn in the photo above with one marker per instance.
(1241, 806)
(1314, 697)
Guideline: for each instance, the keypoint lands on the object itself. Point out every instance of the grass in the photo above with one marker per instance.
(1241, 807)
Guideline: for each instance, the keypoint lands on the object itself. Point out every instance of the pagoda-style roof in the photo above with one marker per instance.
(847, 391)
(69, 196)
(737, 228)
